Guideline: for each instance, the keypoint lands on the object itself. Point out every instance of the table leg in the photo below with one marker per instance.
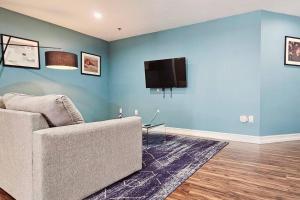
(147, 138)
(165, 134)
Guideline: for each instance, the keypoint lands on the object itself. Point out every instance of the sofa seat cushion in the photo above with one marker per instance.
(58, 110)
(2, 103)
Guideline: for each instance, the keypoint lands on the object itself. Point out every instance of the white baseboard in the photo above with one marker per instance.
(279, 138)
(235, 137)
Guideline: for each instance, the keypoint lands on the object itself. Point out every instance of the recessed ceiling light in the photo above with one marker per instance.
(97, 15)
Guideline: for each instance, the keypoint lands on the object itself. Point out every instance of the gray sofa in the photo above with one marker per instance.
(65, 163)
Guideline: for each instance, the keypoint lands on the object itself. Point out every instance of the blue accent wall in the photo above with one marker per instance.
(280, 84)
(235, 66)
(89, 93)
(223, 64)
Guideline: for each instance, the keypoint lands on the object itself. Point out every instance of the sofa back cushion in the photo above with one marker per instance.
(58, 110)
(2, 103)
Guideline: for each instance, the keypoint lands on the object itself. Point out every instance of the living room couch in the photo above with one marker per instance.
(68, 162)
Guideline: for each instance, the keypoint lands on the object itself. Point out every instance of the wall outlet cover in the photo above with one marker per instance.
(136, 112)
(244, 118)
(251, 118)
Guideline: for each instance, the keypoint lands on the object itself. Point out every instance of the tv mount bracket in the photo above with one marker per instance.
(164, 92)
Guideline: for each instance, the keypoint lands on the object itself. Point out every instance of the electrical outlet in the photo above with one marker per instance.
(136, 112)
(244, 118)
(251, 119)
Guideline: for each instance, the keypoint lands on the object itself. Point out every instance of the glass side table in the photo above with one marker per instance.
(157, 131)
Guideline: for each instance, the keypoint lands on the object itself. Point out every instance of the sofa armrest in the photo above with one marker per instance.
(16, 129)
(73, 162)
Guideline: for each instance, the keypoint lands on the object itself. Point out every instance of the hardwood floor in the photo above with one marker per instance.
(4, 195)
(247, 171)
(243, 171)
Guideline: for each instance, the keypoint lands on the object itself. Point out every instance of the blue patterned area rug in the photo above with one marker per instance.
(165, 166)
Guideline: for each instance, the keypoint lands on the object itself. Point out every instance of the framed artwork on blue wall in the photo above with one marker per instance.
(90, 64)
(292, 51)
(20, 52)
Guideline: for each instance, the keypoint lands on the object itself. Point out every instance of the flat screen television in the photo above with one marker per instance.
(166, 73)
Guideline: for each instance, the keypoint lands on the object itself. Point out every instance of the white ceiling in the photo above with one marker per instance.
(138, 17)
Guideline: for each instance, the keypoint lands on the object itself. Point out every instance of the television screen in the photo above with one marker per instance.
(165, 73)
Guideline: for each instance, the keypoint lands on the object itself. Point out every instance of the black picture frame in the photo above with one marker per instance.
(95, 56)
(287, 51)
(25, 39)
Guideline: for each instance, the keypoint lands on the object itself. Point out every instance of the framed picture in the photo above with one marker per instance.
(90, 64)
(292, 51)
(20, 52)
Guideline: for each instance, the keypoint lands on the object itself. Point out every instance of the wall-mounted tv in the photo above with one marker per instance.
(166, 73)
